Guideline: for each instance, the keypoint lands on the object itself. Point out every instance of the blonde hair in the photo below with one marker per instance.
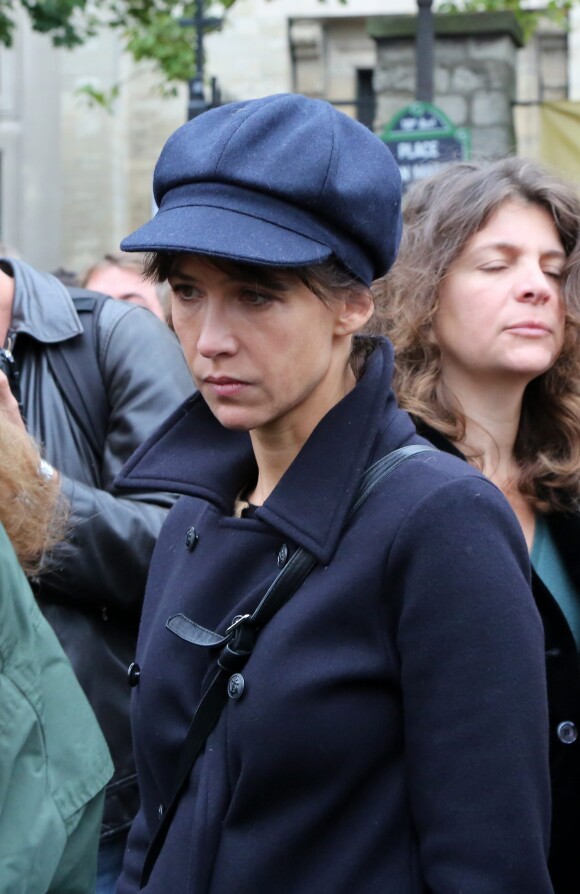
(441, 214)
(31, 508)
(134, 262)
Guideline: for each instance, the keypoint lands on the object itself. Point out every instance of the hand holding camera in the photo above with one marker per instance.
(10, 388)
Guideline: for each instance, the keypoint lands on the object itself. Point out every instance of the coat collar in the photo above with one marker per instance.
(42, 306)
(193, 454)
(437, 439)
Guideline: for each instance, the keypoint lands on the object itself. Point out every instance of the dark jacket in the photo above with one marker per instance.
(563, 673)
(391, 733)
(93, 597)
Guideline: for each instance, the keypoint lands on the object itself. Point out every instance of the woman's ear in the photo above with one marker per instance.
(355, 312)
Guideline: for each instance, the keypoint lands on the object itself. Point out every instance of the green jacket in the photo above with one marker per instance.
(54, 763)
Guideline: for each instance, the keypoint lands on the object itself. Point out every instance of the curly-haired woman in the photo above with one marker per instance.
(483, 308)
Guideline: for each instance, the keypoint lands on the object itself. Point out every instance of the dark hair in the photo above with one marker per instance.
(324, 279)
(441, 214)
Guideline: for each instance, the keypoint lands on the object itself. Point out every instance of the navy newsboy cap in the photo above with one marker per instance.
(283, 180)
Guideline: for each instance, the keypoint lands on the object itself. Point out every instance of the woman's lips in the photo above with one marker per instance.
(530, 327)
(223, 386)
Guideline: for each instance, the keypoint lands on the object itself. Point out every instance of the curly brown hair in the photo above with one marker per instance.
(441, 214)
(31, 508)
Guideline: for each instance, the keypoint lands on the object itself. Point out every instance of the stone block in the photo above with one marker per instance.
(491, 142)
(450, 51)
(396, 53)
(306, 39)
(387, 107)
(468, 79)
(501, 76)
(496, 48)
(397, 78)
(491, 108)
(441, 79)
(308, 78)
(456, 108)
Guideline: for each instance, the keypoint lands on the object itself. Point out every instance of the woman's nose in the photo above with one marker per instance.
(216, 335)
(537, 287)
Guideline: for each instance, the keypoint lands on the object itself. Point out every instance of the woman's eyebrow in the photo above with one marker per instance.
(176, 272)
(279, 285)
(268, 282)
(504, 245)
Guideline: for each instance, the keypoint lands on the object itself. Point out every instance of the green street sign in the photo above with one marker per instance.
(423, 139)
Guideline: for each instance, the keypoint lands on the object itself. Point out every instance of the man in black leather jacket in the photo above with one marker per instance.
(93, 595)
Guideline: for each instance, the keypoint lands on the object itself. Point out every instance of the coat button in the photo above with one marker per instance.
(160, 811)
(191, 538)
(133, 673)
(236, 685)
(567, 732)
(282, 556)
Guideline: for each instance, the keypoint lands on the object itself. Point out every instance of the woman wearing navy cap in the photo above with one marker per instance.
(360, 649)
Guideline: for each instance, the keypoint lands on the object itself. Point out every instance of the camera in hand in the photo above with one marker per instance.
(8, 367)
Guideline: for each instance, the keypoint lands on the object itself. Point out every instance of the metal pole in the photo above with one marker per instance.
(199, 26)
(196, 101)
(424, 51)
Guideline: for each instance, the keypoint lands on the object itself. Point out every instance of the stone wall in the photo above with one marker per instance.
(474, 73)
(108, 157)
(326, 56)
(29, 148)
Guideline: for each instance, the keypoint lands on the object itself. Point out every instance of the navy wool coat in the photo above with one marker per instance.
(392, 734)
(563, 679)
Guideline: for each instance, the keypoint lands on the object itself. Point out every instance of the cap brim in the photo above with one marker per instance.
(226, 233)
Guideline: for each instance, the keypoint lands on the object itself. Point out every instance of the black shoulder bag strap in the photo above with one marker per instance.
(237, 645)
(75, 366)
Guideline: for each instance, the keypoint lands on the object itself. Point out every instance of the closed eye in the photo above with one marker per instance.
(492, 266)
(554, 274)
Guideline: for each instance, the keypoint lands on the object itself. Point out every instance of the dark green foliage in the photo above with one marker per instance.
(557, 10)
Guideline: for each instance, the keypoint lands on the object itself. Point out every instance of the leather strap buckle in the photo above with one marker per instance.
(237, 622)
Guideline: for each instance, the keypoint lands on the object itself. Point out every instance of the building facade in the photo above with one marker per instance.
(74, 179)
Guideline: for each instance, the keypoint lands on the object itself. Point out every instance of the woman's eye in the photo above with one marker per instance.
(494, 266)
(255, 298)
(183, 292)
(553, 274)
